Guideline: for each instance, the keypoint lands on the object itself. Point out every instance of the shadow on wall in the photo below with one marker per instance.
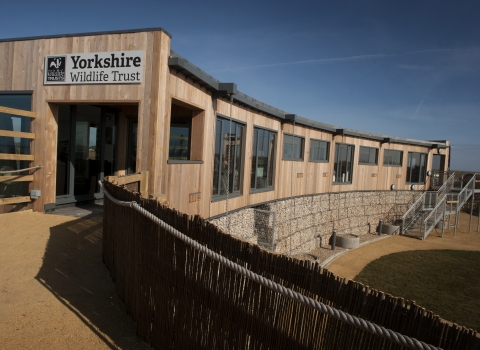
(74, 273)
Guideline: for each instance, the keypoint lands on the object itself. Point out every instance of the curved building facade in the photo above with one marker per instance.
(115, 103)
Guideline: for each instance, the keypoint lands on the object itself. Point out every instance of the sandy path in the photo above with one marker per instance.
(350, 264)
(55, 292)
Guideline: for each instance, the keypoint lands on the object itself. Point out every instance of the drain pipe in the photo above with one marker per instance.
(380, 226)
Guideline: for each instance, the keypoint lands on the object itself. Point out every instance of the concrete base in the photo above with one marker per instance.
(389, 229)
(441, 224)
(349, 242)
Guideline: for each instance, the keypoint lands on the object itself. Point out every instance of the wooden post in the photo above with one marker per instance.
(144, 184)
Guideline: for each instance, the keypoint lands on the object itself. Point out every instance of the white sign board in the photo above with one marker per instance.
(119, 67)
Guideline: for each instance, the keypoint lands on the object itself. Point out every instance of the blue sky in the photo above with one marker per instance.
(401, 68)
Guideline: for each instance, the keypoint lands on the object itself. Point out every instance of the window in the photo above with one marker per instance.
(368, 155)
(319, 150)
(343, 166)
(180, 129)
(298, 144)
(263, 159)
(392, 157)
(14, 145)
(226, 142)
(186, 133)
(416, 167)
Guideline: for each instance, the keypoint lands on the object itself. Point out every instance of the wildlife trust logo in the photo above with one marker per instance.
(56, 68)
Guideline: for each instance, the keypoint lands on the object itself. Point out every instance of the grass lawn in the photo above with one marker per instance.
(446, 282)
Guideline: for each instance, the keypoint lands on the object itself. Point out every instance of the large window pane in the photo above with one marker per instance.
(368, 155)
(87, 149)
(63, 150)
(319, 150)
(263, 159)
(343, 166)
(227, 172)
(293, 147)
(392, 157)
(416, 169)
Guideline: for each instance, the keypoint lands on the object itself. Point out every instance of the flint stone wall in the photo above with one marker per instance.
(306, 223)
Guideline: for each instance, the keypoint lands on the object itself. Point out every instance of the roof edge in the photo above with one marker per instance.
(178, 62)
(56, 36)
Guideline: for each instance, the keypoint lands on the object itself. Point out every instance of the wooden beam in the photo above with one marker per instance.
(8, 156)
(15, 200)
(123, 180)
(18, 178)
(25, 135)
(19, 112)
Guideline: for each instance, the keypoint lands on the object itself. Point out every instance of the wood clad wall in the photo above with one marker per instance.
(188, 187)
(22, 69)
(306, 178)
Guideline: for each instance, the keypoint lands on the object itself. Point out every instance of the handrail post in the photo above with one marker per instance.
(334, 238)
(443, 218)
(471, 204)
(478, 224)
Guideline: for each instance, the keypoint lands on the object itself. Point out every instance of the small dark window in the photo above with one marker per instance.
(343, 166)
(293, 147)
(392, 157)
(319, 150)
(368, 155)
(180, 130)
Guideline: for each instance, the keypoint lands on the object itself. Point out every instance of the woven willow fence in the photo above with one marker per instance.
(180, 298)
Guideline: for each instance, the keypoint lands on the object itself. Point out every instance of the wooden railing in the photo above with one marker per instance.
(141, 178)
(9, 178)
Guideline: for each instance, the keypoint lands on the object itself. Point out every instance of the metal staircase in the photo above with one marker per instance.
(423, 216)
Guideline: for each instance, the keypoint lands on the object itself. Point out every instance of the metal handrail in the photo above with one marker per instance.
(20, 170)
(461, 198)
(470, 183)
(443, 188)
(416, 206)
(418, 203)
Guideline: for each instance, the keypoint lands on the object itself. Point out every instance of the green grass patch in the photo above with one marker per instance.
(446, 282)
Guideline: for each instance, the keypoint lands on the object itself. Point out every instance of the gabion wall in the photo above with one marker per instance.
(306, 223)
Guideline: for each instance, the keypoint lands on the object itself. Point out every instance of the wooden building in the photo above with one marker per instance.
(86, 106)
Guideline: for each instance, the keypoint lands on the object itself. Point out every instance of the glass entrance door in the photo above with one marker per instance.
(85, 151)
(132, 130)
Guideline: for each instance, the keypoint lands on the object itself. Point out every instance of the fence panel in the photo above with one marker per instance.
(180, 298)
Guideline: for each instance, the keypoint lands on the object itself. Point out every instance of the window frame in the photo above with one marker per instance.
(327, 152)
(360, 156)
(422, 172)
(235, 193)
(335, 162)
(273, 152)
(302, 148)
(393, 150)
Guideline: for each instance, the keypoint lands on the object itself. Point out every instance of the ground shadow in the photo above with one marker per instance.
(74, 273)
